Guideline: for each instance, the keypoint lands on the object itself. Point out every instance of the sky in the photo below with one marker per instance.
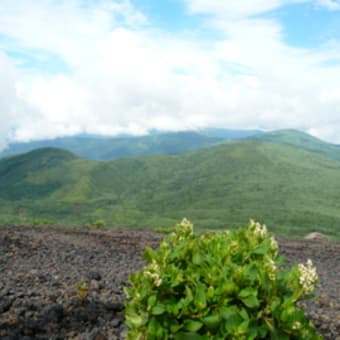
(109, 67)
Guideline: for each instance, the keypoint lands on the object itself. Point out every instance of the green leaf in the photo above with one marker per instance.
(263, 248)
(200, 299)
(158, 309)
(197, 259)
(243, 328)
(244, 314)
(192, 325)
(228, 312)
(188, 294)
(250, 272)
(211, 292)
(152, 301)
(135, 320)
(233, 323)
(247, 292)
(175, 327)
(148, 254)
(252, 333)
(251, 301)
(229, 288)
(287, 312)
(269, 325)
(212, 321)
(153, 327)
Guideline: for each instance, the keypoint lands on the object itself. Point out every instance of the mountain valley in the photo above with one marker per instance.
(293, 187)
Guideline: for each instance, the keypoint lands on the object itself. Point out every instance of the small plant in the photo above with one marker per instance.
(38, 222)
(99, 223)
(222, 285)
(83, 292)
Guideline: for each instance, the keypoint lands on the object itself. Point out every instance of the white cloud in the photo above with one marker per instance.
(125, 76)
(8, 99)
(64, 28)
(330, 4)
(248, 8)
(237, 9)
(293, 88)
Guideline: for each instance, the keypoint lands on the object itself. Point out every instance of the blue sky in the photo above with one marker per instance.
(129, 66)
(307, 25)
(169, 15)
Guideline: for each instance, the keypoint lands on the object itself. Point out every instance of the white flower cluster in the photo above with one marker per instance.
(233, 247)
(154, 266)
(273, 244)
(296, 325)
(183, 231)
(157, 281)
(187, 226)
(153, 273)
(308, 276)
(271, 268)
(259, 230)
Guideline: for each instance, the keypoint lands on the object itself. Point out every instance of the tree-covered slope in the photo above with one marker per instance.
(292, 190)
(301, 140)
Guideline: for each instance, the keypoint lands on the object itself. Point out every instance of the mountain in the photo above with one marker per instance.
(231, 134)
(157, 143)
(20, 176)
(292, 190)
(300, 139)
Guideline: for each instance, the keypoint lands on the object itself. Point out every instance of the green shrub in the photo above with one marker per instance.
(222, 285)
(38, 222)
(99, 223)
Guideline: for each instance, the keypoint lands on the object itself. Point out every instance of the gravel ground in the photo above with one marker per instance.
(41, 268)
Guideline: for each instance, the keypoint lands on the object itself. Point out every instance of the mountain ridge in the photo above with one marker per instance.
(96, 148)
(300, 139)
(289, 188)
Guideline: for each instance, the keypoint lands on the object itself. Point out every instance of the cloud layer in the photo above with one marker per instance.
(102, 67)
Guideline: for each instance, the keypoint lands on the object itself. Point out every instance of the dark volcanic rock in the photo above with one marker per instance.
(42, 268)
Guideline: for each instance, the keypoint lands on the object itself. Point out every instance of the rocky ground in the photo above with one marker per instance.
(41, 269)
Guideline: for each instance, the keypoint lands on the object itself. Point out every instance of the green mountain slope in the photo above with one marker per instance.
(290, 189)
(301, 140)
(20, 175)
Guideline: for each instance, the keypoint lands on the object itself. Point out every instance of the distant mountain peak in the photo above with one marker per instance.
(300, 139)
(108, 148)
(52, 152)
